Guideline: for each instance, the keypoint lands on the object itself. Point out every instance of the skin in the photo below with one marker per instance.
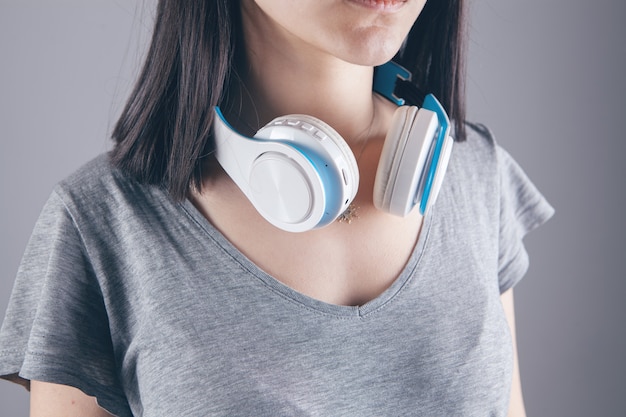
(291, 46)
(53, 400)
(330, 44)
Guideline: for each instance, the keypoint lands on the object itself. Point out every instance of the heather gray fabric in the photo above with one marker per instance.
(139, 301)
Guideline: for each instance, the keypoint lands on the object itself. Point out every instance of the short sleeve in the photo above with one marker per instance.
(522, 209)
(56, 328)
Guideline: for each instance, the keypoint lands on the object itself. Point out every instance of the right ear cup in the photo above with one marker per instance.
(414, 158)
(297, 171)
(403, 160)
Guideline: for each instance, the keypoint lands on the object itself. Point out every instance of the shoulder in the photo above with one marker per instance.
(474, 161)
(472, 184)
(95, 179)
(479, 144)
(100, 184)
(100, 197)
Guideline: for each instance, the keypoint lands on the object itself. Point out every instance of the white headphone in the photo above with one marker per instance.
(300, 174)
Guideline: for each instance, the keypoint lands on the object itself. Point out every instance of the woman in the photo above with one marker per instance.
(153, 284)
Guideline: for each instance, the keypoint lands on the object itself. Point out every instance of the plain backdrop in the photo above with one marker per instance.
(544, 75)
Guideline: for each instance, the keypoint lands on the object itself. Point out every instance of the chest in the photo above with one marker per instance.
(343, 263)
(259, 349)
(206, 317)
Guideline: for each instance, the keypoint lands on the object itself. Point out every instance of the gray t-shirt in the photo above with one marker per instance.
(137, 300)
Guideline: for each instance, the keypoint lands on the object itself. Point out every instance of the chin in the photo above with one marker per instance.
(373, 53)
(376, 41)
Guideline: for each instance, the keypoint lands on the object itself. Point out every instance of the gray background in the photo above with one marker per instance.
(545, 75)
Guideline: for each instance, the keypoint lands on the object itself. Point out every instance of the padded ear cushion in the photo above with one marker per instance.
(392, 151)
(402, 165)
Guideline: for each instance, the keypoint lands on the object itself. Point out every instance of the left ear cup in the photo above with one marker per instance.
(403, 160)
(328, 152)
(297, 171)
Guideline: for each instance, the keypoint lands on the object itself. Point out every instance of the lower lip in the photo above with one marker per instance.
(380, 5)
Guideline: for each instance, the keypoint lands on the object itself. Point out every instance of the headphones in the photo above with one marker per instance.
(300, 174)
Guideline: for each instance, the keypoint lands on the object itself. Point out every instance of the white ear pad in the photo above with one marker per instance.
(392, 151)
(297, 171)
(397, 187)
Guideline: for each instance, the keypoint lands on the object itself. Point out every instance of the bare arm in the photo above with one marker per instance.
(53, 400)
(516, 407)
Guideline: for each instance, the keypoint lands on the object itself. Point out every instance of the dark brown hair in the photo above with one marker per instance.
(165, 128)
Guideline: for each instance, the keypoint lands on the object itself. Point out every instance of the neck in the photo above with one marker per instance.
(280, 78)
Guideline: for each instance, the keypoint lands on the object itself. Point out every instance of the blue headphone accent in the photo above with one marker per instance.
(385, 78)
(431, 103)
